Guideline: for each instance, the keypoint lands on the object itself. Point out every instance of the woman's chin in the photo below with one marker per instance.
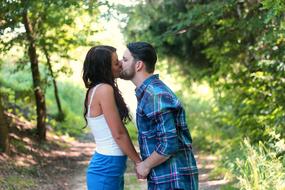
(116, 76)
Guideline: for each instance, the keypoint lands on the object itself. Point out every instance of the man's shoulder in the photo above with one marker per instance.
(159, 93)
(159, 88)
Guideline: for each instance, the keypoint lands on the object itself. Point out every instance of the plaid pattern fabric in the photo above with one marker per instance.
(162, 128)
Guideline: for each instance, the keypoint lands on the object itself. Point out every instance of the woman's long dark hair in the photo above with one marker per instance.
(97, 69)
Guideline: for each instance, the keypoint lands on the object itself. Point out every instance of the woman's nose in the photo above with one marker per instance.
(120, 63)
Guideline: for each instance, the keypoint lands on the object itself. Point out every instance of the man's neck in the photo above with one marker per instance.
(140, 78)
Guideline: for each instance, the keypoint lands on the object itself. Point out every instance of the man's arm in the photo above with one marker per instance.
(143, 168)
(166, 134)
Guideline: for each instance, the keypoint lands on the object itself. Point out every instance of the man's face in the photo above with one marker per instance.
(128, 64)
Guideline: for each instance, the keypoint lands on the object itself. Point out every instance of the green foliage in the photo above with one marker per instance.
(237, 46)
(17, 90)
(19, 177)
(72, 97)
(19, 145)
(20, 100)
(16, 182)
(258, 167)
(228, 187)
(57, 28)
(199, 104)
(31, 171)
(132, 129)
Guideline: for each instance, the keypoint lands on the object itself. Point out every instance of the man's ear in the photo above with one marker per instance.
(140, 65)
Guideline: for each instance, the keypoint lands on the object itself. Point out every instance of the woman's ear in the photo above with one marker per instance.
(140, 65)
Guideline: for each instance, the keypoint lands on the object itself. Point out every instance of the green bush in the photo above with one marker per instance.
(258, 167)
(20, 99)
(132, 129)
(72, 100)
(200, 105)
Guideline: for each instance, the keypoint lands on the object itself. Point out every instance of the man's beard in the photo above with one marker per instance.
(127, 74)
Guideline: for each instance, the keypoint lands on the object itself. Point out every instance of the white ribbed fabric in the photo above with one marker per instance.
(105, 143)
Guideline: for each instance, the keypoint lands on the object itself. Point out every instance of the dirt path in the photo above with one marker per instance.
(205, 164)
(77, 180)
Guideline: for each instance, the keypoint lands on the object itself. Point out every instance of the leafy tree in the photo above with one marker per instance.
(238, 46)
(47, 25)
(4, 134)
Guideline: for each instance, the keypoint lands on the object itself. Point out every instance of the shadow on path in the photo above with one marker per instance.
(206, 163)
(78, 182)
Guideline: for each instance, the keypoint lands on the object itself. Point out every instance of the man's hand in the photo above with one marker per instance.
(139, 177)
(142, 169)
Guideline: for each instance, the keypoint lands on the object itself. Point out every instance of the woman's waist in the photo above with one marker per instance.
(109, 149)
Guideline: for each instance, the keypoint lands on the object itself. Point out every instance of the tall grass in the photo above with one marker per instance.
(258, 167)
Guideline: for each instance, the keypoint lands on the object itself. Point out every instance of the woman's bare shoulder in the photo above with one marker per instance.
(105, 90)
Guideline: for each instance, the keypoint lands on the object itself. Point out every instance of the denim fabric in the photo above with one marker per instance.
(106, 172)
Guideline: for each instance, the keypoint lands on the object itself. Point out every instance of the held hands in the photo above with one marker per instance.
(142, 170)
(139, 177)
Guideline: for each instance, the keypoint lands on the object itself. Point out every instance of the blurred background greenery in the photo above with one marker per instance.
(224, 59)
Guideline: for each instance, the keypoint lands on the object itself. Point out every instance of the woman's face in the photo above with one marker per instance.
(116, 65)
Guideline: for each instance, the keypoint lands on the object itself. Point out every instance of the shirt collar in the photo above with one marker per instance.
(139, 91)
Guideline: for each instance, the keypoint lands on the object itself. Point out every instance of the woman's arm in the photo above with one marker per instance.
(105, 93)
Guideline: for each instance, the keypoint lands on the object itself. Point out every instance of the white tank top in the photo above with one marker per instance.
(105, 143)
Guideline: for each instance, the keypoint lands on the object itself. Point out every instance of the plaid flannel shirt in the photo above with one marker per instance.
(162, 128)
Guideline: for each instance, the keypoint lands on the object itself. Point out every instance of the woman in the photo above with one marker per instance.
(106, 113)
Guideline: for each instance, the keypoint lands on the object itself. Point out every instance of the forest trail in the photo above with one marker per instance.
(77, 180)
(206, 163)
(62, 166)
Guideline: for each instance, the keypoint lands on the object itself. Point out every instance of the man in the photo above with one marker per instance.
(164, 139)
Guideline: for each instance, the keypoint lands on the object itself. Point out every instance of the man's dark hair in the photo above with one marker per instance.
(145, 52)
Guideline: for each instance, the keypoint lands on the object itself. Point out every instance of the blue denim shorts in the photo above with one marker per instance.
(106, 172)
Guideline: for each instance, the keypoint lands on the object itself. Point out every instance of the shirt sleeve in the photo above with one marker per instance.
(162, 110)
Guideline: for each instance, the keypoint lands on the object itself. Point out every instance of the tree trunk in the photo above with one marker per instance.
(39, 95)
(60, 115)
(4, 131)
